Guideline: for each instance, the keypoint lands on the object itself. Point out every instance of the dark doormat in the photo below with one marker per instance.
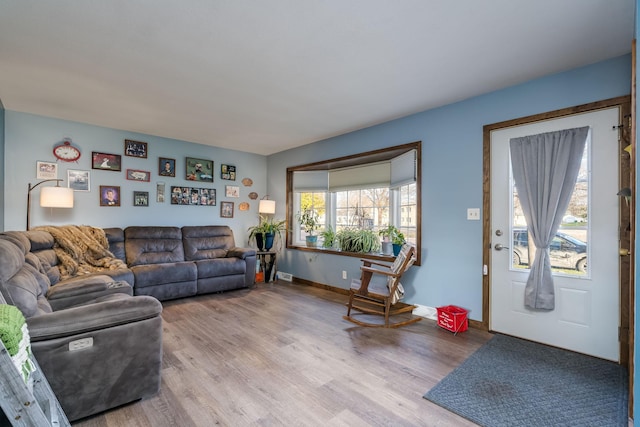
(513, 382)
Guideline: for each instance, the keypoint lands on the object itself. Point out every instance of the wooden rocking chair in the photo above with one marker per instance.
(381, 298)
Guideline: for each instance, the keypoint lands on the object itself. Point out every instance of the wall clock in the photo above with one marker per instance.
(66, 152)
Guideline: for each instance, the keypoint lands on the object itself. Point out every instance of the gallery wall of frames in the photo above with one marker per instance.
(198, 170)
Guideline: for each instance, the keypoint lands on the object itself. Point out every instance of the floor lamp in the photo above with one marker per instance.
(50, 197)
(267, 206)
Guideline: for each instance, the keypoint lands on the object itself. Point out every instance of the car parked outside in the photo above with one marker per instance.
(565, 251)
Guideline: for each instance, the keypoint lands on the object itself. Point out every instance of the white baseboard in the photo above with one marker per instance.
(281, 275)
(425, 311)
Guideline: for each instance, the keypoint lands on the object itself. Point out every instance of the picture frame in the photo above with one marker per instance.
(46, 170)
(166, 166)
(138, 175)
(106, 161)
(109, 195)
(79, 180)
(228, 172)
(226, 209)
(135, 148)
(232, 191)
(199, 169)
(193, 196)
(160, 192)
(140, 198)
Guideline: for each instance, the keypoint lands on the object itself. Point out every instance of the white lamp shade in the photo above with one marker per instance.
(267, 207)
(56, 197)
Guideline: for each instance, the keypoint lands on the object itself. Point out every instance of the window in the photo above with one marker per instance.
(408, 212)
(316, 202)
(367, 191)
(569, 248)
(366, 208)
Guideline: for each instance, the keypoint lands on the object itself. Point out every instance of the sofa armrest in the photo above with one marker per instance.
(241, 253)
(108, 311)
(81, 289)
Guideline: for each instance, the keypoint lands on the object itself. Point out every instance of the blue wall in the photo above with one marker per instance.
(451, 271)
(29, 138)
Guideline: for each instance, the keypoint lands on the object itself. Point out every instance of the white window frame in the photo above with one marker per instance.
(398, 155)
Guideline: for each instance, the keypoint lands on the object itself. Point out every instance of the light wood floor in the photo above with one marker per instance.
(281, 355)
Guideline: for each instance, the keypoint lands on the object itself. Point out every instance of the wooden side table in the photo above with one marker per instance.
(268, 265)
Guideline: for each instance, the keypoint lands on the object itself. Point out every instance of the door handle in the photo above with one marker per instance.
(499, 247)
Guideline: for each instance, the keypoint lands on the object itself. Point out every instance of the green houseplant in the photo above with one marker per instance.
(266, 231)
(329, 237)
(392, 235)
(358, 240)
(397, 241)
(308, 220)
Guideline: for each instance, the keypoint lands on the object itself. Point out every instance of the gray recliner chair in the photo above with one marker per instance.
(99, 346)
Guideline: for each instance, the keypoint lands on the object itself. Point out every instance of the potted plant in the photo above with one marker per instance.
(393, 240)
(328, 237)
(369, 241)
(309, 222)
(346, 239)
(397, 241)
(387, 234)
(357, 240)
(266, 231)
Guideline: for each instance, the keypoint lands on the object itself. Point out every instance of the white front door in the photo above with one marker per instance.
(586, 314)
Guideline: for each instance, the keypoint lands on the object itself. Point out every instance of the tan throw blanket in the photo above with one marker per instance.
(82, 249)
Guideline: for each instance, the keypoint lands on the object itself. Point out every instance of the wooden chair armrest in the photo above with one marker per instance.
(378, 271)
(368, 263)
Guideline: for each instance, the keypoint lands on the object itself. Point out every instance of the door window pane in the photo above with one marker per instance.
(569, 248)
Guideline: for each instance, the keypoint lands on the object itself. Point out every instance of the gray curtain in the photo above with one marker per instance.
(545, 169)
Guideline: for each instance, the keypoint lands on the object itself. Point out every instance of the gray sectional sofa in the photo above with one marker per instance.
(116, 309)
(98, 346)
(173, 262)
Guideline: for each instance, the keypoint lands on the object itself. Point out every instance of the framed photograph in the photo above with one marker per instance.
(226, 209)
(166, 166)
(135, 148)
(193, 196)
(199, 170)
(138, 175)
(228, 172)
(106, 161)
(160, 192)
(78, 180)
(232, 191)
(140, 198)
(46, 170)
(109, 195)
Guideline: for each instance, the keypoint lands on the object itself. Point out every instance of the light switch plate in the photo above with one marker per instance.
(473, 214)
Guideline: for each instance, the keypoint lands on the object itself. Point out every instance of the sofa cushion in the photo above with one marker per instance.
(42, 277)
(21, 284)
(115, 236)
(11, 259)
(220, 267)
(41, 244)
(101, 312)
(153, 245)
(19, 239)
(205, 242)
(158, 274)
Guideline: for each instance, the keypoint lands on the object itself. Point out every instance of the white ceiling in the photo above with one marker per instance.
(266, 76)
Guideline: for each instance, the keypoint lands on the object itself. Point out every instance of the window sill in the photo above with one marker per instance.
(373, 256)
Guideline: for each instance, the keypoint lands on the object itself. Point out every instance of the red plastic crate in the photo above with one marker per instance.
(453, 318)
